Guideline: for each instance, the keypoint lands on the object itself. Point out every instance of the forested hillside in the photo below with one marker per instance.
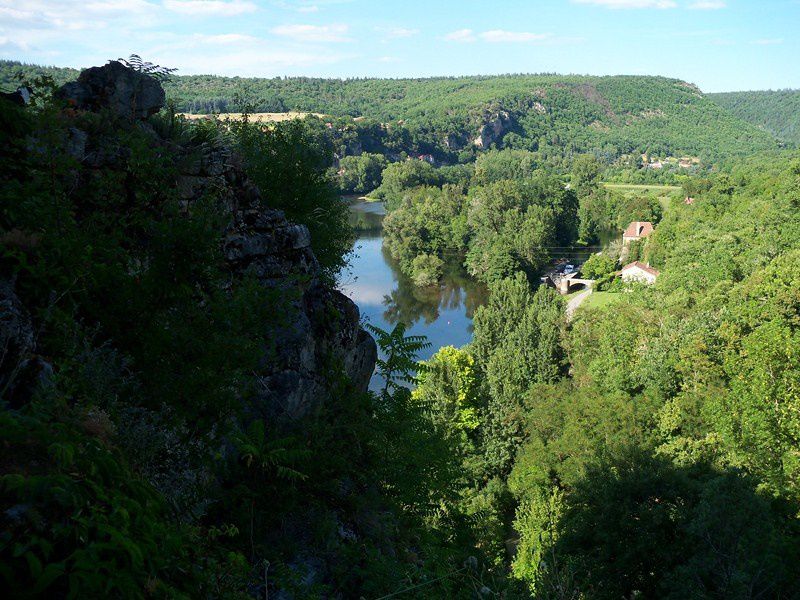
(648, 448)
(775, 111)
(614, 117)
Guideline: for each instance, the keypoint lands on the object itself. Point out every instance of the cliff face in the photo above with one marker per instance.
(323, 327)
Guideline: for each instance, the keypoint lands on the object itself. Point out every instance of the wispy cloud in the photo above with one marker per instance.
(236, 54)
(313, 33)
(498, 36)
(708, 5)
(57, 19)
(501, 35)
(768, 41)
(211, 8)
(307, 6)
(399, 32)
(623, 4)
(461, 35)
(226, 39)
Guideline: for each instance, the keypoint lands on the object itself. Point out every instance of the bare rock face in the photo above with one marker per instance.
(128, 93)
(16, 333)
(494, 128)
(21, 371)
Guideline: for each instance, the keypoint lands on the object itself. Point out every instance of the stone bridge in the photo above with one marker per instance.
(563, 283)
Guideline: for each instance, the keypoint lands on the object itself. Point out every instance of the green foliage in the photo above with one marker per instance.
(135, 62)
(448, 385)
(776, 111)
(400, 177)
(83, 524)
(598, 266)
(517, 342)
(361, 174)
(289, 163)
(426, 270)
(399, 351)
(556, 115)
(495, 165)
(638, 525)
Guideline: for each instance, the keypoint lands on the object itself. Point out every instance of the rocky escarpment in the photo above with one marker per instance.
(494, 126)
(321, 328)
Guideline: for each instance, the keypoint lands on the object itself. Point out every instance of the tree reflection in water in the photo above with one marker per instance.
(409, 303)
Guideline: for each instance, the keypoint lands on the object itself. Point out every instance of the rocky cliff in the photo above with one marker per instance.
(322, 329)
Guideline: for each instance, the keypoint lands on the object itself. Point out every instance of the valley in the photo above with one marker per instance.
(512, 337)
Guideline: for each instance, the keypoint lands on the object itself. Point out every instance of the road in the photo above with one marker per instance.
(574, 302)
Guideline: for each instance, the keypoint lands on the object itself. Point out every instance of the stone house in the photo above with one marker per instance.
(637, 271)
(636, 231)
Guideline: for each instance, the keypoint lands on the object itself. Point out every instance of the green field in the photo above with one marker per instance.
(642, 186)
(600, 299)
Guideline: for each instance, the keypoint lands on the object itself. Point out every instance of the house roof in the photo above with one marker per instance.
(638, 265)
(639, 229)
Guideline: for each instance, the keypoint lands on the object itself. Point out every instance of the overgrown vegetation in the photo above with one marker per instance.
(138, 460)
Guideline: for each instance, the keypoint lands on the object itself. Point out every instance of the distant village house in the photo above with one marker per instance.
(636, 231)
(640, 272)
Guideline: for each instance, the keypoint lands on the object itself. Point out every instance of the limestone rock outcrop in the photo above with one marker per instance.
(322, 326)
(494, 127)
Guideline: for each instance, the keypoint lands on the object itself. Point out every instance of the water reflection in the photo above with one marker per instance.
(409, 303)
(385, 296)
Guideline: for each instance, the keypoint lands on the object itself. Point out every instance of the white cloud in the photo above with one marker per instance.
(215, 8)
(247, 63)
(307, 6)
(56, 19)
(236, 54)
(313, 33)
(768, 41)
(708, 5)
(226, 39)
(400, 32)
(461, 35)
(622, 4)
(500, 35)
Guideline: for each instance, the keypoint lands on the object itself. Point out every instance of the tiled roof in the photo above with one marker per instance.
(642, 266)
(639, 229)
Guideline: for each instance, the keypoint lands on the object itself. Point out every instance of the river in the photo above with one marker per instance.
(385, 296)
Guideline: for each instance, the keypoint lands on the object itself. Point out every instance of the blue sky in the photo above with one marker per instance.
(717, 44)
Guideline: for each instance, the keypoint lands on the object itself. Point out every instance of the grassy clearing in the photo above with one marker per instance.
(600, 299)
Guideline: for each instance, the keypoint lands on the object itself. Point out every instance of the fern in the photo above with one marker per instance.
(135, 62)
(276, 456)
(400, 365)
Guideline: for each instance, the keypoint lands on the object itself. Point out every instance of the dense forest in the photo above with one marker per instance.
(775, 111)
(184, 407)
(618, 118)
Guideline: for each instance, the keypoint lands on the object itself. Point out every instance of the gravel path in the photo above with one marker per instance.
(575, 302)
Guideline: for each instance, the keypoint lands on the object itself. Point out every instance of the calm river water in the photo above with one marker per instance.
(385, 296)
